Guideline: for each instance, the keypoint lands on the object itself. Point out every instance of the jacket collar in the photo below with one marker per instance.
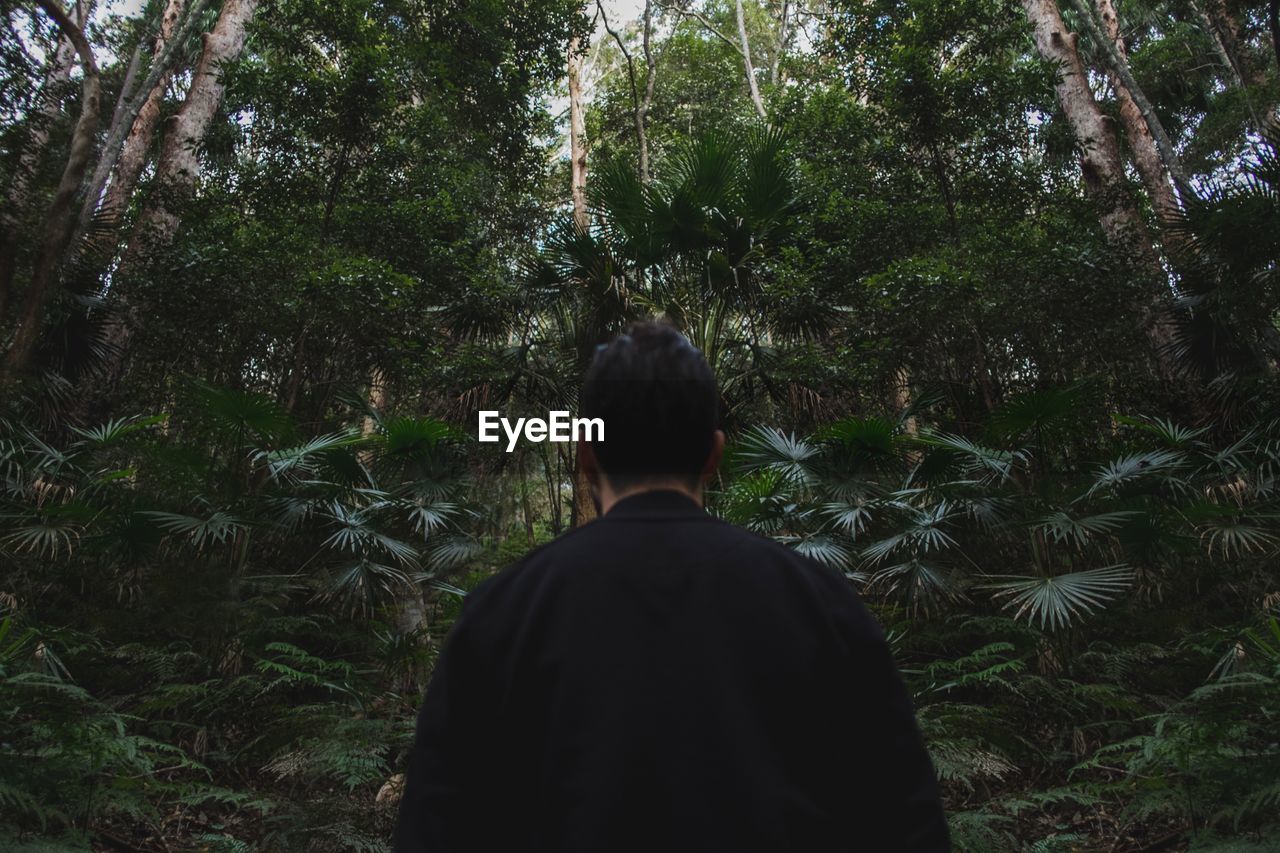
(658, 503)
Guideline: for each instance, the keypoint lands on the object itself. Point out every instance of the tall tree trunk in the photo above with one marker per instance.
(1100, 161)
(583, 506)
(410, 605)
(18, 198)
(746, 62)
(642, 112)
(1273, 24)
(1146, 156)
(60, 216)
(901, 401)
(1101, 167)
(1226, 30)
(782, 42)
(177, 168)
(1117, 65)
(577, 137)
(133, 129)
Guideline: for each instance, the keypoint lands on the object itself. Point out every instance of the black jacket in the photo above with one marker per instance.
(656, 681)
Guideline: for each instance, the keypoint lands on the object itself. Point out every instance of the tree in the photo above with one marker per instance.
(1151, 162)
(130, 136)
(59, 219)
(19, 192)
(1100, 163)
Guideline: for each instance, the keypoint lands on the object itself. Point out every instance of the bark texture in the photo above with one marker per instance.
(583, 506)
(1146, 156)
(141, 129)
(1100, 162)
(177, 170)
(60, 217)
(577, 137)
(18, 198)
(1102, 169)
(746, 63)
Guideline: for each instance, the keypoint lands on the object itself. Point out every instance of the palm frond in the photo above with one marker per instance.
(1058, 600)
(242, 410)
(1137, 466)
(765, 448)
(1063, 528)
(824, 548)
(977, 460)
(448, 552)
(217, 529)
(114, 430)
(1173, 436)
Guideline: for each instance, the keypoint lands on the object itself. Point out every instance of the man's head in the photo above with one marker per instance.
(658, 400)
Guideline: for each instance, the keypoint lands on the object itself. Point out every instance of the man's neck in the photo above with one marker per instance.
(610, 496)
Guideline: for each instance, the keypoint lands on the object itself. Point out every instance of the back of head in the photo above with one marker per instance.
(658, 399)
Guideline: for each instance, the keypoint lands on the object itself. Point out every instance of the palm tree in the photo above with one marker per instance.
(367, 522)
(1016, 515)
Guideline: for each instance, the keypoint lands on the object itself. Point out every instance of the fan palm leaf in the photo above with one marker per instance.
(1057, 601)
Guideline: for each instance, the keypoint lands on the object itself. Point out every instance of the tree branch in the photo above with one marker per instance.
(701, 18)
(626, 54)
(74, 34)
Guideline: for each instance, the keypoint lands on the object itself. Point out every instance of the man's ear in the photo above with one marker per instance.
(588, 464)
(713, 458)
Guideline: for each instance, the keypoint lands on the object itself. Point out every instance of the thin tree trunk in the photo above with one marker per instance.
(1146, 155)
(577, 137)
(1273, 24)
(49, 103)
(746, 62)
(1229, 62)
(902, 402)
(410, 605)
(651, 67)
(1226, 30)
(377, 401)
(583, 507)
(60, 217)
(1101, 166)
(784, 39)
(133, 129)
(637, 111)
(526, 509)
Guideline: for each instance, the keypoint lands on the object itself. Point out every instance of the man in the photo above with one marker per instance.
(658, 680)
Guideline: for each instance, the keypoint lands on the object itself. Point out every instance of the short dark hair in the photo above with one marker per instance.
(658, 399)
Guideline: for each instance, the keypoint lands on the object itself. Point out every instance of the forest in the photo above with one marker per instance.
(991, 288)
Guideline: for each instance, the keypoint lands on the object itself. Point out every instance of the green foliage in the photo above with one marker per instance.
(939, 378)
(217, 528)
